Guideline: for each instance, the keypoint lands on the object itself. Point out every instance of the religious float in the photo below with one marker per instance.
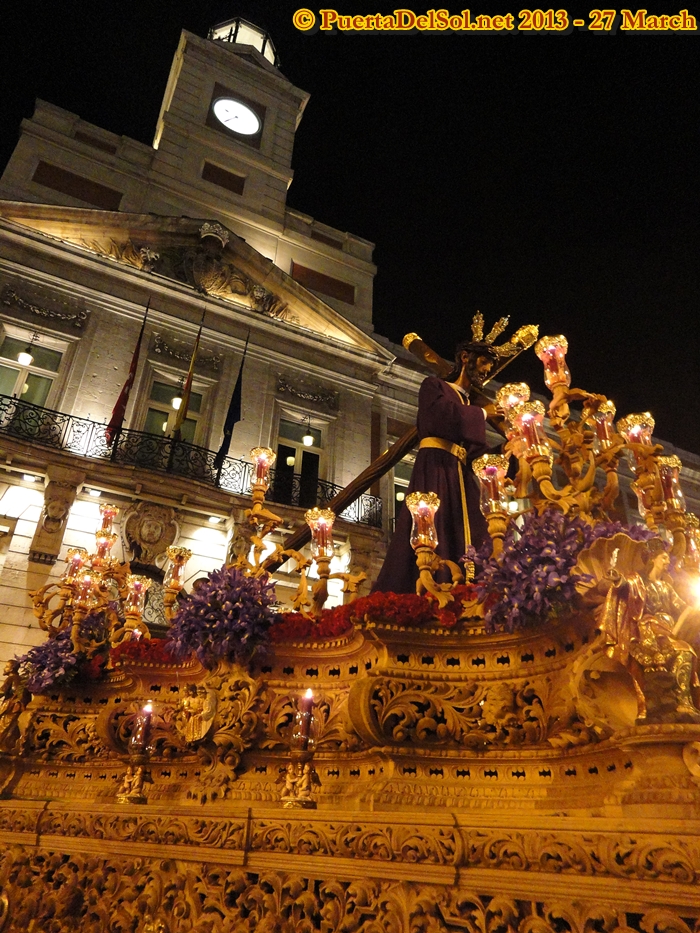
(515, 747)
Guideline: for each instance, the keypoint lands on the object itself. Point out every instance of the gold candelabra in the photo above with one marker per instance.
(424, 541)
(579, 448)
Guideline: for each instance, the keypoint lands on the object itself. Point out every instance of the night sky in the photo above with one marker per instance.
(552, 178)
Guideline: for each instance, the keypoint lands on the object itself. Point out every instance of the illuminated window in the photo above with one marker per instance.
(161, 413)
(298, 463)
(402, 477)
(29, 381)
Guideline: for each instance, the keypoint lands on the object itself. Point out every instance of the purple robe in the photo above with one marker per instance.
(441, 413)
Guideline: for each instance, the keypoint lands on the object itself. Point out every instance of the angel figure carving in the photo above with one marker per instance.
(641, 620)
(196, 712)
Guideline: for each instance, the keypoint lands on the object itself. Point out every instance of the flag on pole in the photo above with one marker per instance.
(187, 388)
(233, 415)
(119, 410)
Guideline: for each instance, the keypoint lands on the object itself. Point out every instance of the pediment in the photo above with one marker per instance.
(201, 254)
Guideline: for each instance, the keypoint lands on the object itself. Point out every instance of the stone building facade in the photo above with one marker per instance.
(93, 228)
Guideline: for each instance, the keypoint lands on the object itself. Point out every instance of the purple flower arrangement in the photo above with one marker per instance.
(226, 617)
(533, 580)
(54, 663)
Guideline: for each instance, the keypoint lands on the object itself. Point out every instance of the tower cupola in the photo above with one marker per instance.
(242, 32)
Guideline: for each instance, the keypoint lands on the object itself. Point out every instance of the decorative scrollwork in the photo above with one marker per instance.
(47, 890)
(471, 715)
(63, 736)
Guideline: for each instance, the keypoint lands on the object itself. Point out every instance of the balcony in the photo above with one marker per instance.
(86, 438)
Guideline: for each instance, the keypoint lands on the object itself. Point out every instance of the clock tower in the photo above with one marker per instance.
(225, 132)
(222, 151)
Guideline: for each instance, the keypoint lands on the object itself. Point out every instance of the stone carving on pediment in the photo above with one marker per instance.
(12, 299)
(44, 889)
(202, 266)
(264, 302)
(129, 253)
(211, 228)
(149, 530)
(308, 391)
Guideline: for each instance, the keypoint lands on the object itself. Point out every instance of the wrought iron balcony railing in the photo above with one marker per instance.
(151, 452)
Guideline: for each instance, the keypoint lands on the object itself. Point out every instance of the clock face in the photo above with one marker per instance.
(236, 116)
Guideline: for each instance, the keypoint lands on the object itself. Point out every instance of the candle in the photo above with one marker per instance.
(528, 421)
(142, 728)
(108, 513)
(104, 543)
(263, 458)
(320, 521)
(175, 574)
(552, 352)
(136, 595)
(305, 715)
(423, 506)
(75, 558)
(691, 561)
(84, 596)
(510, 395)
(603, 425)
(637, 429)
(491, 473)
(669, 469)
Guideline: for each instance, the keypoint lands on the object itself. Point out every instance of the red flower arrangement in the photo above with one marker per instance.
(145, 650)
(293, 626)
(402, 609)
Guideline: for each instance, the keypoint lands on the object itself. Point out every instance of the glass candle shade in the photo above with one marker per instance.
(85, 596)
(108, 513)
(320, 521)
(175, 574)
(603, 426)
(637, 429)
(691, 560)
(641, 504)
(423, 506)
(75, 558)
(303, 730)
(141, 735)
(491, 472)
(262, 458)
(552, 352)
(669, 470)
(137, 587)
(528, 424)
(104, 542)
(510, 395)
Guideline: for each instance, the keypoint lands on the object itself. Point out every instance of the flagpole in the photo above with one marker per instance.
(116, 422)
(233, 416)
(186, 392)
